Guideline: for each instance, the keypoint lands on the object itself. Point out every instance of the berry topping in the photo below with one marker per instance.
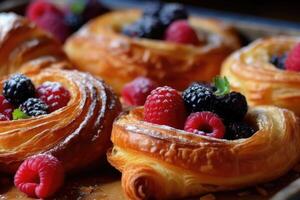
(18, 88)
(165, 106)
(6, 108)
(205, 123)
(34, 107)
(39, 176)
(181, 32)
(232, 106)
(237, 130)
(152, 9)
(49, 18)
(74, 21)
(198, 97)
(172, 12)
(54, 95)
(136, 92)
(3, 117)
(292, 62)
(278, 61)
(146, 27)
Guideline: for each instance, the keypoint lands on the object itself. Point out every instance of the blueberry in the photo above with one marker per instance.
(172, 12)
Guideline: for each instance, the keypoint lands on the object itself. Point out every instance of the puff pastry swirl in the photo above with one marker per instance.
(159, 162)
(78, 134)
(101, 49)
(249, 71)
(25, 47)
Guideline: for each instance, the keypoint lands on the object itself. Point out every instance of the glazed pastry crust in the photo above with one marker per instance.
(250, 72)
(159, 162)
(101, 49)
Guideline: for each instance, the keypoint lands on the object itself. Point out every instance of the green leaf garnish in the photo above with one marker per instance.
(19, 114)
(77, 7)
(222, 85)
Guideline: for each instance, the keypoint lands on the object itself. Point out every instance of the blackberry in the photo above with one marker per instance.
(198, 97)
(152, 9)
(146, 27)
(34, 107)
(278, 61)
(232, 106)
(172, 12)
(237, 130)
(18, 88)
(74, 21)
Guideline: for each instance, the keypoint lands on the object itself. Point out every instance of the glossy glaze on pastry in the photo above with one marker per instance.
(100, 48)
(159, 162)
(24, 47)
(249, 71)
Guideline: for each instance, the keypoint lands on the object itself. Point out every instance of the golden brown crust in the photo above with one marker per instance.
(23, 45)
(99, 48)
(164, 163)
(250, 72)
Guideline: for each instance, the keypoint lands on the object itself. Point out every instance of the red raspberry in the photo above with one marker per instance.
(54, 95)
(48, 17)
(205, 123)
(292, 62)
(181, 32)
(39, 176)
(6, 108)
(165, 106)
(136, 92)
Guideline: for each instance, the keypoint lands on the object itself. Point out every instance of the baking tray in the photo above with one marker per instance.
(104, 183)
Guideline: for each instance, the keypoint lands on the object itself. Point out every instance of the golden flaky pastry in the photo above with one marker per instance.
(159, 162)
(100, 48)
(77, 134)
(249, 71)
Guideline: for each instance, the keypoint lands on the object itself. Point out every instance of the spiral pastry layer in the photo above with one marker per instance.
(249, 71)
(100, 48)
(159, 162)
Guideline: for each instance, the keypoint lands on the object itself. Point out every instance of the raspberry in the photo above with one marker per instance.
(232, 106)
(136, 92)
(4, 117)
(6, 108)
(49, 18)
(165, 106)
(181, 32)
(278, 61)
(292, 62)
(39, 176)
(34, 107)
(205, 123)
(199, 97)
(172, 12)
(237, 130)
(18, 88)
(54, 95)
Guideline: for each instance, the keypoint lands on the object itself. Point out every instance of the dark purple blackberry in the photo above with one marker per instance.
(34, 107)
(172, 12)
(152, 9)
(238, 130)
(232, 106)
(18, 88)
(146, 27)
(278, 61)
(74, 21)
(198, 97)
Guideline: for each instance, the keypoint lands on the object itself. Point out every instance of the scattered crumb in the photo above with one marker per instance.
(86, 190)
(261, 191)
(208, 197)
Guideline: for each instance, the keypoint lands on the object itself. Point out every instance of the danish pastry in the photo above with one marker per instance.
(76, 134)
(250, 71)
(159, 162)
(100, 48)
(26, 47)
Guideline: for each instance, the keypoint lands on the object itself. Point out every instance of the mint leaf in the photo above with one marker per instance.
(77, 7)
(222, 85)
(19, 114)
